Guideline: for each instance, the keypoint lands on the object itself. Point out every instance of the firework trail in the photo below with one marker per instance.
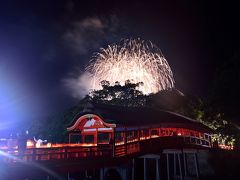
(134, 60)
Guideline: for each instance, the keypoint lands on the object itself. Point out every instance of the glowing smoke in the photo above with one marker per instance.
(134, 60)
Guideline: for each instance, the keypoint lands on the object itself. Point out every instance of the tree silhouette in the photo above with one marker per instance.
(120, 95)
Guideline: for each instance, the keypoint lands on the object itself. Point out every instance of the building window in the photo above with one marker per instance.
(89, 139)
(146, 132)
(76, 138)
(154, 132)
(103, 137)
(131, 136)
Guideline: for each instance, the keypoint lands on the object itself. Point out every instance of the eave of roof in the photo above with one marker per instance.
(129, 117)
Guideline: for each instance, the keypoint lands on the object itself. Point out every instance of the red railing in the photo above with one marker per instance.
(134, 143)
(61, 153)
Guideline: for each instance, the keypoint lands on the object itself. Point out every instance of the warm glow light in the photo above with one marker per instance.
(134, 60)
(38, 145)
(30, 143)
(227, 147)
(119, 143)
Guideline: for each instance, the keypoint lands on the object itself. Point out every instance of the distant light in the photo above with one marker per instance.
(49, 145)
(30, 143)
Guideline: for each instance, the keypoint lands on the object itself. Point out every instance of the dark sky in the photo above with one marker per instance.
(43, 43)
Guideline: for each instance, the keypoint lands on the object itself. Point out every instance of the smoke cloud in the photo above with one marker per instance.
(91, 33)
(79, 86)
(83, 38)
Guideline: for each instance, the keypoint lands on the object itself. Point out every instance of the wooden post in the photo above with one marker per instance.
(68, 176)
(180, 166)
(145, 168)
(102, 174)
(168, 175)
(174, 164)
(196, 165)
(185, 164)
(157, 169)
(86, 176)
(133, 163)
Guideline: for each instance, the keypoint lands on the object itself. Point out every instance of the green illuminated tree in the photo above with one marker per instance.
(209, 115)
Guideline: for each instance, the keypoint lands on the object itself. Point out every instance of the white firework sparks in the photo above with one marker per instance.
(134, 60)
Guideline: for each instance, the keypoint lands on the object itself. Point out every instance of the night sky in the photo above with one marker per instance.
(45, 43)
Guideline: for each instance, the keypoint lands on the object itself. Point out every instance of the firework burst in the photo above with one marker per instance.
(134, 60)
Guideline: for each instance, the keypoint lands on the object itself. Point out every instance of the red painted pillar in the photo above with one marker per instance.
(113, 142)
(69, 138)
(83, 138)
(138, 133)
(125, 140)
(96, 136)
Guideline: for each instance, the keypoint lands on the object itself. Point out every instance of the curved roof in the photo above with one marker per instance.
(130, 117)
